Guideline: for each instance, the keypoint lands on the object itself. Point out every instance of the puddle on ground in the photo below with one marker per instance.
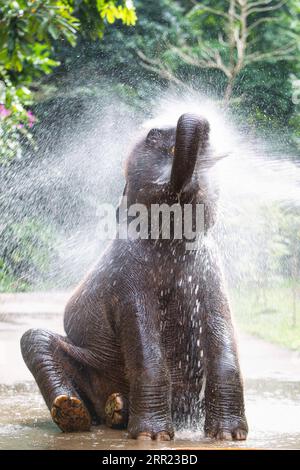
(272, 388)
(273, 410)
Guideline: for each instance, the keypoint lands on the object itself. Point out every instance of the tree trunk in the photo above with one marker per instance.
(228, 91)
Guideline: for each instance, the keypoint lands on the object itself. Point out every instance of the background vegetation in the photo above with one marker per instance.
(61, 61)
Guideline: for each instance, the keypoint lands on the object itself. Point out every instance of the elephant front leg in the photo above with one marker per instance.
(224, 395)
(150, 404)
(148, 376)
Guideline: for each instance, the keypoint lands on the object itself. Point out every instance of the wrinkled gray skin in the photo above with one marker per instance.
(152, 320)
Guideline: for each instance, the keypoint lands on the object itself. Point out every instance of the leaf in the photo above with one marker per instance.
(53, 31)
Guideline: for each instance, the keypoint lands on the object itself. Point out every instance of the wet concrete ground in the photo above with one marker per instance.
(272, 383)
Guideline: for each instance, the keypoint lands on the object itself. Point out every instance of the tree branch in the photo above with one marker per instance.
(282, 53)
(221, 66)
(201, 6)
(261, 20)
(221, 40)
(213, 60)
(267, 8)
(156, 66)
(258, 3)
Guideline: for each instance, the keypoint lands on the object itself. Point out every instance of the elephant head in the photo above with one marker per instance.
(171, 165)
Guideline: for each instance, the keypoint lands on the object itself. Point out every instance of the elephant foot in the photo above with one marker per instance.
(70, 414)
(116, 411)
(229, 432)
(149, 428)
(159, 436)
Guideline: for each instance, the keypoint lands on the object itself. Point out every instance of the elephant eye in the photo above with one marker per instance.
(172, 150)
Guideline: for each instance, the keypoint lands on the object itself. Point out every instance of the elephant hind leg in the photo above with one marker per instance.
(70, 414)
(59, 377)
(116, 411)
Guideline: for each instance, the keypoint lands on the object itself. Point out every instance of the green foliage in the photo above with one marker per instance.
(28, 24)
(112, 12)
(265, 294)
(265, 253)
(263, 90)
(25, 250)
(94, 15)
(28, 31)
(266, 92)
(9, 283)
(268, 314)
(289, 234)
(115, 57)
(15, 121)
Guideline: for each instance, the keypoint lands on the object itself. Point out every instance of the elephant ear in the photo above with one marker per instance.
(154, 138)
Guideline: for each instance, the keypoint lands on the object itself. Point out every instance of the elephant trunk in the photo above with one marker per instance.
(191, 140)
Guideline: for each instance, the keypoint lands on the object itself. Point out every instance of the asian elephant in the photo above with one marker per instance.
(149, 339)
